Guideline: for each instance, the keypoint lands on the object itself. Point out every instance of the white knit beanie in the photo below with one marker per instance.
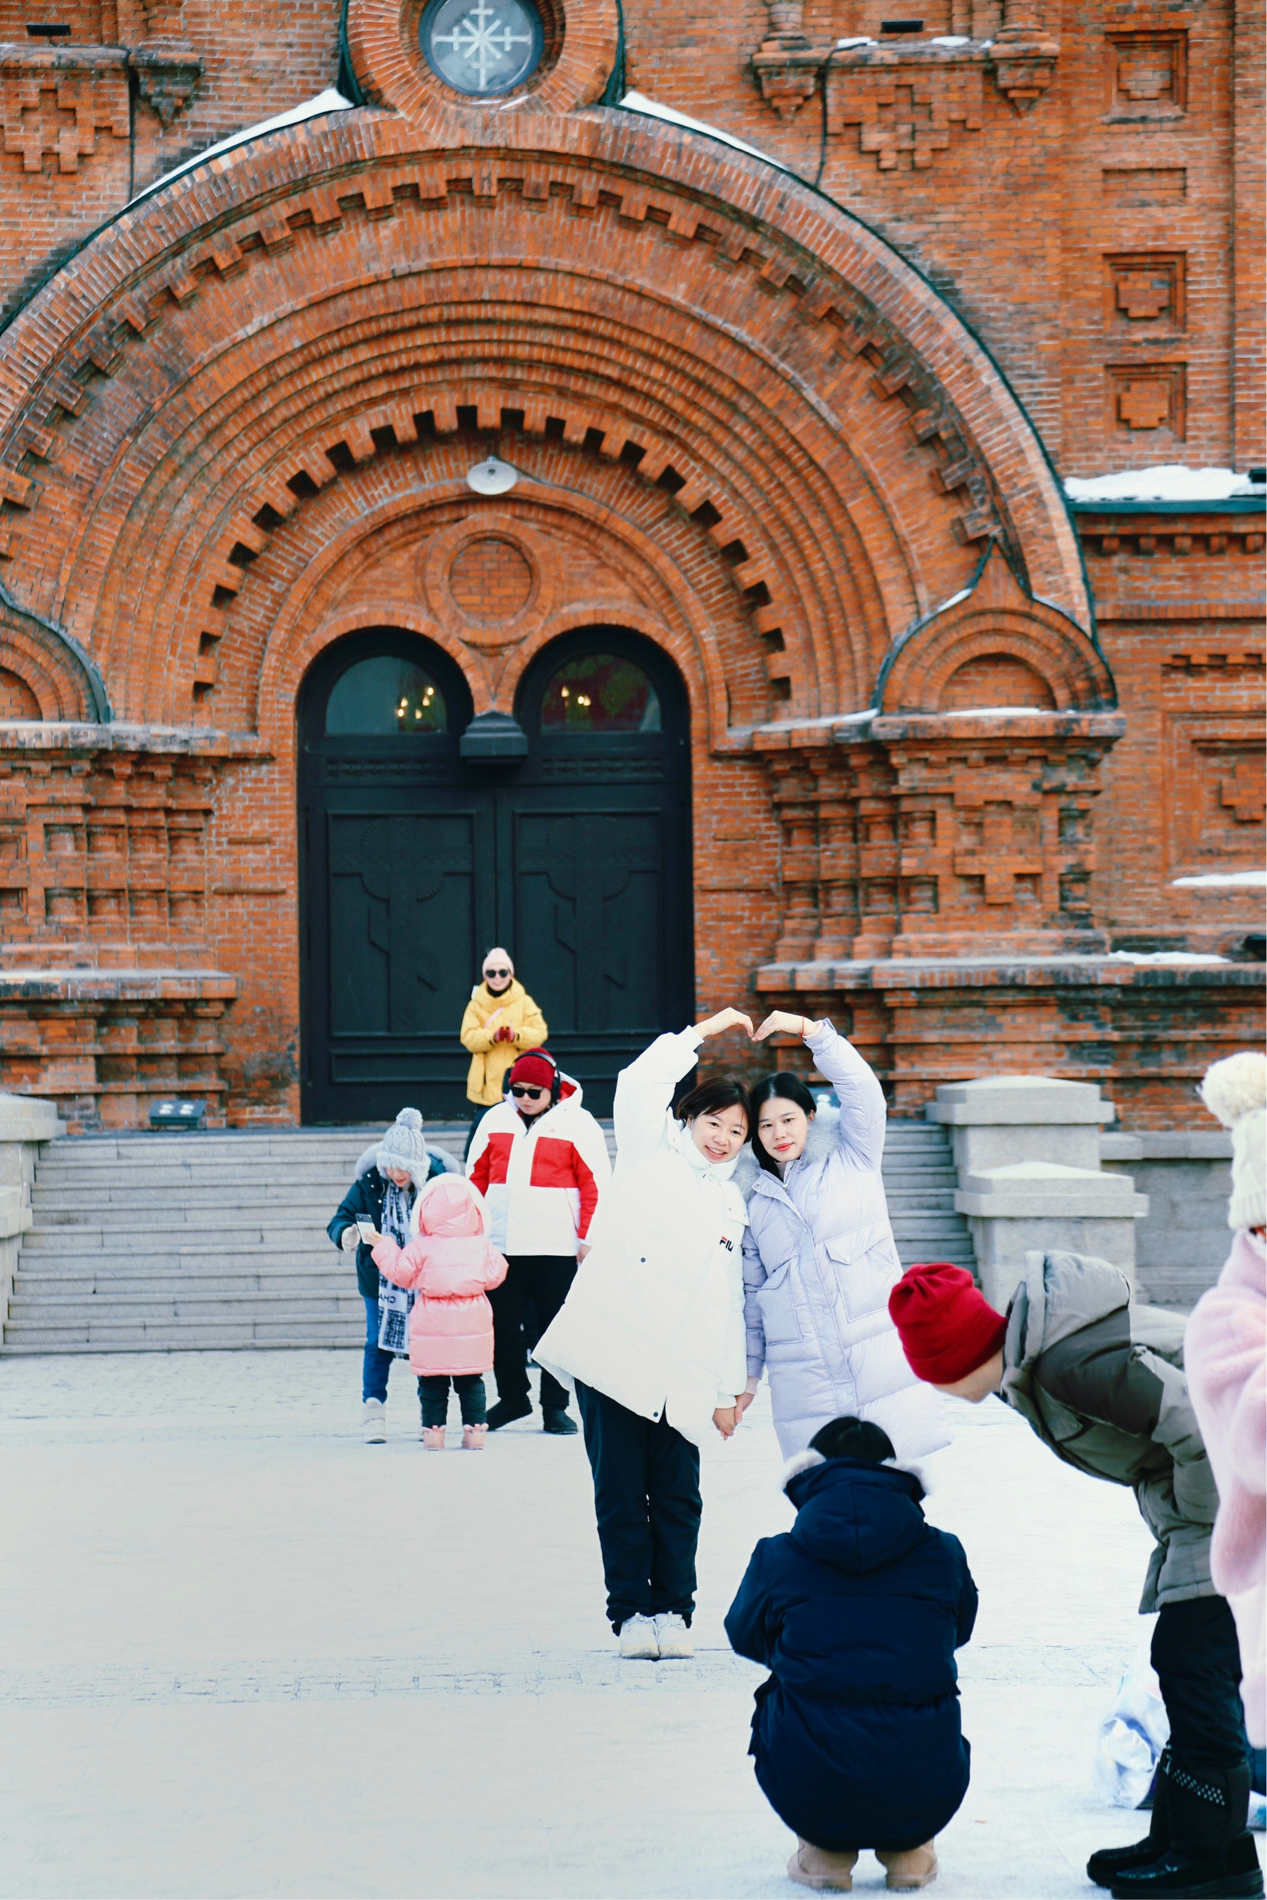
(403, 1146)
(1235, 1090)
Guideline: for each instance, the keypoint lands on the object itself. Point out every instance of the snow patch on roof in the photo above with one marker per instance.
(1161, 956)
(639, 102)
(1214, 880)
(995, 712)
(331, 100)
(1172, 482)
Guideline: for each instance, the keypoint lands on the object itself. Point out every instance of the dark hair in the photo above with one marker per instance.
(724, 1091)
(853, 1438)
(788, 1088)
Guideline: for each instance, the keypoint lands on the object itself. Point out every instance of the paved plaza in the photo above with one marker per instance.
(245, 1654)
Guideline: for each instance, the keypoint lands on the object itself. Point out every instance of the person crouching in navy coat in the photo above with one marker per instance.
(857, 1611)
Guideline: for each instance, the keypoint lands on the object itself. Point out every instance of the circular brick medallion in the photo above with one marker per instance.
(490, 579)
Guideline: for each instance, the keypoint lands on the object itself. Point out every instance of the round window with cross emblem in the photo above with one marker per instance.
(482, 47)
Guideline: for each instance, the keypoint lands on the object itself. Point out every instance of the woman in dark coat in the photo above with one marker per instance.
(857, 1611)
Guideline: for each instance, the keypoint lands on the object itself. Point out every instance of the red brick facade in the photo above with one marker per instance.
(808, 444)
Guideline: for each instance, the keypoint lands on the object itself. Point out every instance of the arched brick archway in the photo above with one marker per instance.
(241, 420)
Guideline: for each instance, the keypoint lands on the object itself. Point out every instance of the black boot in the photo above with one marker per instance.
(1211, 1852)
(561, 1423)
(1105, 1867)
(506, 1411)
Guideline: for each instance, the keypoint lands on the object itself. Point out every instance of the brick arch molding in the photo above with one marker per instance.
(996, 618)
(801, 409)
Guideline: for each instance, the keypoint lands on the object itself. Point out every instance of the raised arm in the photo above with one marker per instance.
(862, 1107)
(644, 1091)
(403, 1266)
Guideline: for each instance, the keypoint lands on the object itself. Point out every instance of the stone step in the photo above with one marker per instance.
(139, 1308)
(184, 1335)
(163, 1243)
(172, 1242)
(215, 1276)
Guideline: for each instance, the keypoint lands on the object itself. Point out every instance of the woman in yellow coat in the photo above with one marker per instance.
(501, 1021)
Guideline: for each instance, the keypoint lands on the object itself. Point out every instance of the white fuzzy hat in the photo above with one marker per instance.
(1235, 1090)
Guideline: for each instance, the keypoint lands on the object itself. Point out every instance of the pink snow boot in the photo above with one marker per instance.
(433, 1437)
(824, 1872)
(473, 1437)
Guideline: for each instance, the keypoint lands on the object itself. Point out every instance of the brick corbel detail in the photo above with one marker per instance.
(905, 100)
(936, 836)
(90, 91)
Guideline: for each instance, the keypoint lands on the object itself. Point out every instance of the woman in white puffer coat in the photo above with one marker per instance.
(651, 1335)
(820, 1259)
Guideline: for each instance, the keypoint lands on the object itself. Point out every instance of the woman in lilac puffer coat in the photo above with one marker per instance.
(819, 1256)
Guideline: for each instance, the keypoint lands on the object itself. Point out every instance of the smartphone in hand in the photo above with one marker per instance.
(368, 1232)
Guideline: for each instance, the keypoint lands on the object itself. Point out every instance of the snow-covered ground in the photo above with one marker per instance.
(245, 1654)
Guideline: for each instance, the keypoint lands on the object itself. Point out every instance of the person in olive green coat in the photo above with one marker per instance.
(1100, 1379)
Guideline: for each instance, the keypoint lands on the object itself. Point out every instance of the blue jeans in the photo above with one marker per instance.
(377, 1364)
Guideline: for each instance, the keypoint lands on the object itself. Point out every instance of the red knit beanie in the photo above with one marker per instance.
(947, 1327)
(536, 1069)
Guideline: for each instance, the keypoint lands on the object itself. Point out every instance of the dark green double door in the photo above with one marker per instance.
(415, 863)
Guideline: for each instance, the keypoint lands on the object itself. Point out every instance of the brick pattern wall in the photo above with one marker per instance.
(741, 429)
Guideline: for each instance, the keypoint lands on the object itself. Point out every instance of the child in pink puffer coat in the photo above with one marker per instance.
(450, 1266)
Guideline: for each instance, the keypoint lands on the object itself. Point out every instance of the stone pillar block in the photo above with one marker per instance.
(1043, 1205)
(25, 1123)
(999, 1120)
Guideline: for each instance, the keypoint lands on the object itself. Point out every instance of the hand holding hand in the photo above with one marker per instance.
(725, 1418)
(725, 1019)
(742, 1402)
(780, 1023)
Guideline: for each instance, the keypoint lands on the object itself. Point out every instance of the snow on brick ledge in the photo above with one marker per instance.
(1173, 482)
(1212, 880)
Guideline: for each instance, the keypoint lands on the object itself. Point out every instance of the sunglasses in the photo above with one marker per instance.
(497, 972)
(522, 1088)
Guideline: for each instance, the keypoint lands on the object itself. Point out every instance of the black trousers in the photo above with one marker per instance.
(646, 1496)
(543, 1278)
(433, 1390)
(1198, 1662)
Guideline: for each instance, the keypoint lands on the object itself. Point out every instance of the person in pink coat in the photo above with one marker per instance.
(1226, 1357)
(449, 1265)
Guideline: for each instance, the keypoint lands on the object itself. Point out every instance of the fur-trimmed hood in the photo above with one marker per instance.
(853, 1514)
(824, 1136)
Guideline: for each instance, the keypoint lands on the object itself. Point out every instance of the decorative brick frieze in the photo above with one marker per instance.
(55, 101)
(905, 113)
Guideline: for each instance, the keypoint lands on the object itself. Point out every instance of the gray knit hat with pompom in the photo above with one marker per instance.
(403, 1146)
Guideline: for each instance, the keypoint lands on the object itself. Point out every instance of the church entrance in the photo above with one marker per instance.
(415, 861)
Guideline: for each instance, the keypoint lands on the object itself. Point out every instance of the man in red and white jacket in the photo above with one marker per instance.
(540, 1161)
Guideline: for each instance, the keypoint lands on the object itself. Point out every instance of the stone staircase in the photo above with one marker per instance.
(151, 1243)
(155, 1243)
(920, 1183)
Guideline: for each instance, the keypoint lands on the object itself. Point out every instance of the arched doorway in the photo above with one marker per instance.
(414, 861)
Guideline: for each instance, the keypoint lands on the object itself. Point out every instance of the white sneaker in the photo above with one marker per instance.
(672, 1635)
(638, 1642)
(374, 1414)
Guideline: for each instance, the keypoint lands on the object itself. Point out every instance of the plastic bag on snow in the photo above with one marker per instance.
(1130, 1739)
